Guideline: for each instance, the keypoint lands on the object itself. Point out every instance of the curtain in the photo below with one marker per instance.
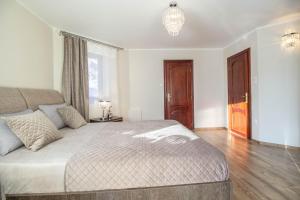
(75, 74)
(103, 78)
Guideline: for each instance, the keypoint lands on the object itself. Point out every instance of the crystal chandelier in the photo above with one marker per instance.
(173, 19)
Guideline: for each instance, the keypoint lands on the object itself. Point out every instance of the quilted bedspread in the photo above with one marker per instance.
(144, 154)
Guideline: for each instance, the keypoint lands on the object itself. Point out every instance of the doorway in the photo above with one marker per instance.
(239, 94)
(179, 92)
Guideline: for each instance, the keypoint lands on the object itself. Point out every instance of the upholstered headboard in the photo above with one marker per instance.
(19, 99)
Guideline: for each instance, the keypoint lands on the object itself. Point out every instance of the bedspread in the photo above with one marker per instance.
(144, 154)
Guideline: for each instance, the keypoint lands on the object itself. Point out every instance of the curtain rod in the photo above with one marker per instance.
(64, 33)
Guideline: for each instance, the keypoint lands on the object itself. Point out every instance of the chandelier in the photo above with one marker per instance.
(173, 19)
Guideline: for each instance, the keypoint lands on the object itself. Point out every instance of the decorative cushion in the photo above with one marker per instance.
(71, 117)
(51, 112)
(35, 130)
(8, 140)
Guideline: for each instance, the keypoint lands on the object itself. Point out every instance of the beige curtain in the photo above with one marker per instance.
(75, 74)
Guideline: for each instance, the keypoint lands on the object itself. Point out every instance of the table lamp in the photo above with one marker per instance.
(106, 109)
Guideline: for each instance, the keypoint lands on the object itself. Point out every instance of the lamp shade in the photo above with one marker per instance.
(105, 104)
(290, 40)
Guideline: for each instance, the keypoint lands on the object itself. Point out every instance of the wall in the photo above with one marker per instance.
(275, 84)
(58, 58)
(279, 86)
(26, 48)
(123, 69)
(145, 89)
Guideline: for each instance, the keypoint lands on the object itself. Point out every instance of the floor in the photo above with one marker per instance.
(258, 171)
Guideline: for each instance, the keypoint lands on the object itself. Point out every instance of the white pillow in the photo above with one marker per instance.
(51, 112)
(8, 140)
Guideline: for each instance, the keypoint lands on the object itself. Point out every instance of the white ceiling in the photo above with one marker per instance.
(137, 23)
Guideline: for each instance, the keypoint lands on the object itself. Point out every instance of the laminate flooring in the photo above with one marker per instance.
(258, 171)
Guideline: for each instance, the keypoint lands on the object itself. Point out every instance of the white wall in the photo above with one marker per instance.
(144, 88)
(25, 48)
(123, 69)
(275, 84)
(279, 86)
(58, 58)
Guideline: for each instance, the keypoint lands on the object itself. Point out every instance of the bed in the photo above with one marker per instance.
(129, 160)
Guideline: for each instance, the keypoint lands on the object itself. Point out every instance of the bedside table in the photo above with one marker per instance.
(113, 119)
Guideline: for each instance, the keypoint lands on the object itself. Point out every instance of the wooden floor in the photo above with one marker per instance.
(258, 171)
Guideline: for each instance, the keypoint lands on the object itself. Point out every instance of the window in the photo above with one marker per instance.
(96, 78)
(103, 84)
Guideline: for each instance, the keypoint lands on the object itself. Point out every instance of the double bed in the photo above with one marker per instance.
(128, 160)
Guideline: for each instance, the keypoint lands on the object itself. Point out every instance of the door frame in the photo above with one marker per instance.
(192, 89)
(249, 107)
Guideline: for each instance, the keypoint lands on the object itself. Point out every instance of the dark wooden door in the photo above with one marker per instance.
(239, 94)
(179, 99)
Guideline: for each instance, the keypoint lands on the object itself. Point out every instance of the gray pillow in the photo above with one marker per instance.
(51, 112)
(8, 140)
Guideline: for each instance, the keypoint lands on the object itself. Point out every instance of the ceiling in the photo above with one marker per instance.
(137, 23)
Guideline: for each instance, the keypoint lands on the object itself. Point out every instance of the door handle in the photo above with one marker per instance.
(169, 97)
(246, 97)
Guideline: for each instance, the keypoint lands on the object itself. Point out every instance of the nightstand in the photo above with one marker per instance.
(113, 119)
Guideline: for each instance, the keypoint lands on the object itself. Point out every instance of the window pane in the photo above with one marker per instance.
(95, 77)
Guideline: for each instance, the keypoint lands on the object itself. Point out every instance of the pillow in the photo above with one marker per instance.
(51, 112)
(8, 140)
(71, 117)
(35, 130)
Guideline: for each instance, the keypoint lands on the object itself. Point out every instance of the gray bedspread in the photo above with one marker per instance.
(143, 154)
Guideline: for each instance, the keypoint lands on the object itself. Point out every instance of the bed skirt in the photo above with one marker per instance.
(208, 191)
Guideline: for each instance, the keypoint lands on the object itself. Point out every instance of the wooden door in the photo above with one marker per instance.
(239, 94)
(179, 99)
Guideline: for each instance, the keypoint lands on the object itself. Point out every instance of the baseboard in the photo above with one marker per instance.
(250, 140)
(283, 146)
(211, 129)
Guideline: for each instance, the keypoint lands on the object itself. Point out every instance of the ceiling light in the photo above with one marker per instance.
(173, 19)
(291, 39)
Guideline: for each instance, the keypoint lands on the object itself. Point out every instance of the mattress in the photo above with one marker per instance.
(23, 171)
(103, 156)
